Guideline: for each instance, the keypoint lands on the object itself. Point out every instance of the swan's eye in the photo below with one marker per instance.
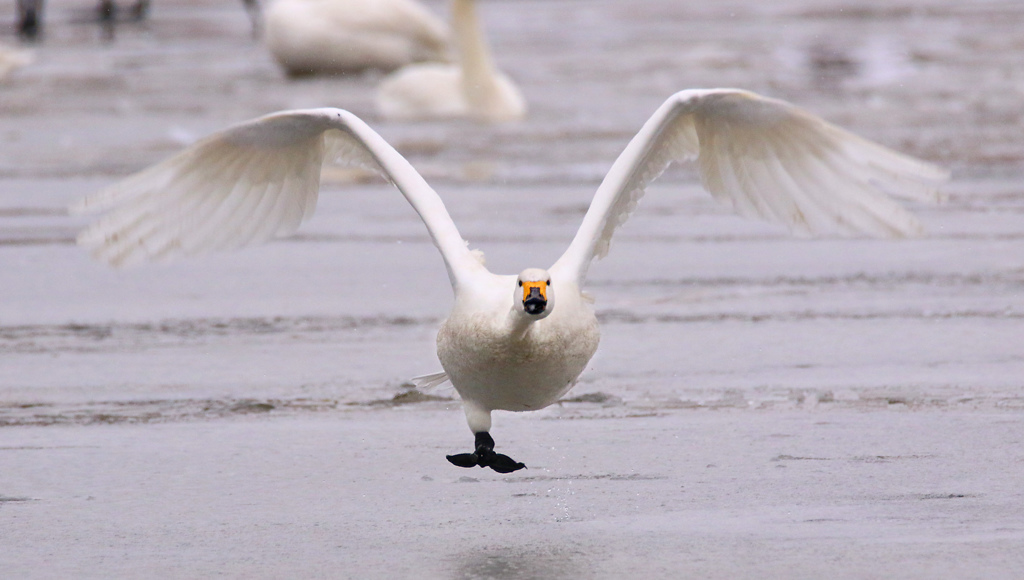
(548, 282)
(520, 283)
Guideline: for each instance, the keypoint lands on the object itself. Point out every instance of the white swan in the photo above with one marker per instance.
(516, 343)
(473, 89)
(338, 36)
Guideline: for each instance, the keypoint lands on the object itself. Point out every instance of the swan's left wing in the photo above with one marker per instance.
(249, 183)
(765, 158)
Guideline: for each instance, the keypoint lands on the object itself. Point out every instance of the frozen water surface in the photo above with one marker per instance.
(761, 406)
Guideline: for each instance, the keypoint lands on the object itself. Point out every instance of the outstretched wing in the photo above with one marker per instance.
(765, 158)
(247, 184)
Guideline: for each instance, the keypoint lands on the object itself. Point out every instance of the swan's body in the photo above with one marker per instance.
(514, 343)
(339, 36)
(438, 91)
(528, 364)
(473, 88)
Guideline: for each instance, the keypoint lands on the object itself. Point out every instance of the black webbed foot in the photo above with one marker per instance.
(484, 456)
(501, 463)
(464, 459)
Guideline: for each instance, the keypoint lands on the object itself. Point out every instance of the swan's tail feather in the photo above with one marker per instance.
(427, 382)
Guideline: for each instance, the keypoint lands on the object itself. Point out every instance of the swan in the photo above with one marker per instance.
(473, 89)
(513, 342)
(338, 36)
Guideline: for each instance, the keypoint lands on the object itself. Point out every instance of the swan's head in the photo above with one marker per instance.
(534, 293)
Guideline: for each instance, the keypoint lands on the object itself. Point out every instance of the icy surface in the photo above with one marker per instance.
(760, 406)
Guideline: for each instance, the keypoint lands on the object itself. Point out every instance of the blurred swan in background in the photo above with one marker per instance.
(473, 88)
(338, 36)
(515, 343)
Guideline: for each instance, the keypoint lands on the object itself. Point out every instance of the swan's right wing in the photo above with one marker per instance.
(766, 159)
(252, 182)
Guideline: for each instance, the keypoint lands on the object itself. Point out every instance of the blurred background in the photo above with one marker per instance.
(937, 79)
(760, 406)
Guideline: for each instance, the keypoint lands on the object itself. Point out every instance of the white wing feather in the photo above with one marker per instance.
(247, 184)
(765, 158)
(427, 382)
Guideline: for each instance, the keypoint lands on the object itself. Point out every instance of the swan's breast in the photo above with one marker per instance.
(497, 370)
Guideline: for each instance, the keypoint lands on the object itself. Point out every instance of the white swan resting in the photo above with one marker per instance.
(474, 88)
(516, 343)
(337, 36)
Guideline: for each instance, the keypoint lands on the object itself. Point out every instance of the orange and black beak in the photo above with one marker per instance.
(535, 296)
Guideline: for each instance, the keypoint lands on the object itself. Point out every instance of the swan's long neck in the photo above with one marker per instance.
(478, 72)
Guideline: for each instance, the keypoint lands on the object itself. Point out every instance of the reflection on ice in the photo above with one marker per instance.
(520, 563)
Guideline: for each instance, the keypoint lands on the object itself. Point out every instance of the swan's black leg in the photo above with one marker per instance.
(30, 18)
(252, 7)
(140, 10)
(106, 11)
(484, 456)
(107, 14)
